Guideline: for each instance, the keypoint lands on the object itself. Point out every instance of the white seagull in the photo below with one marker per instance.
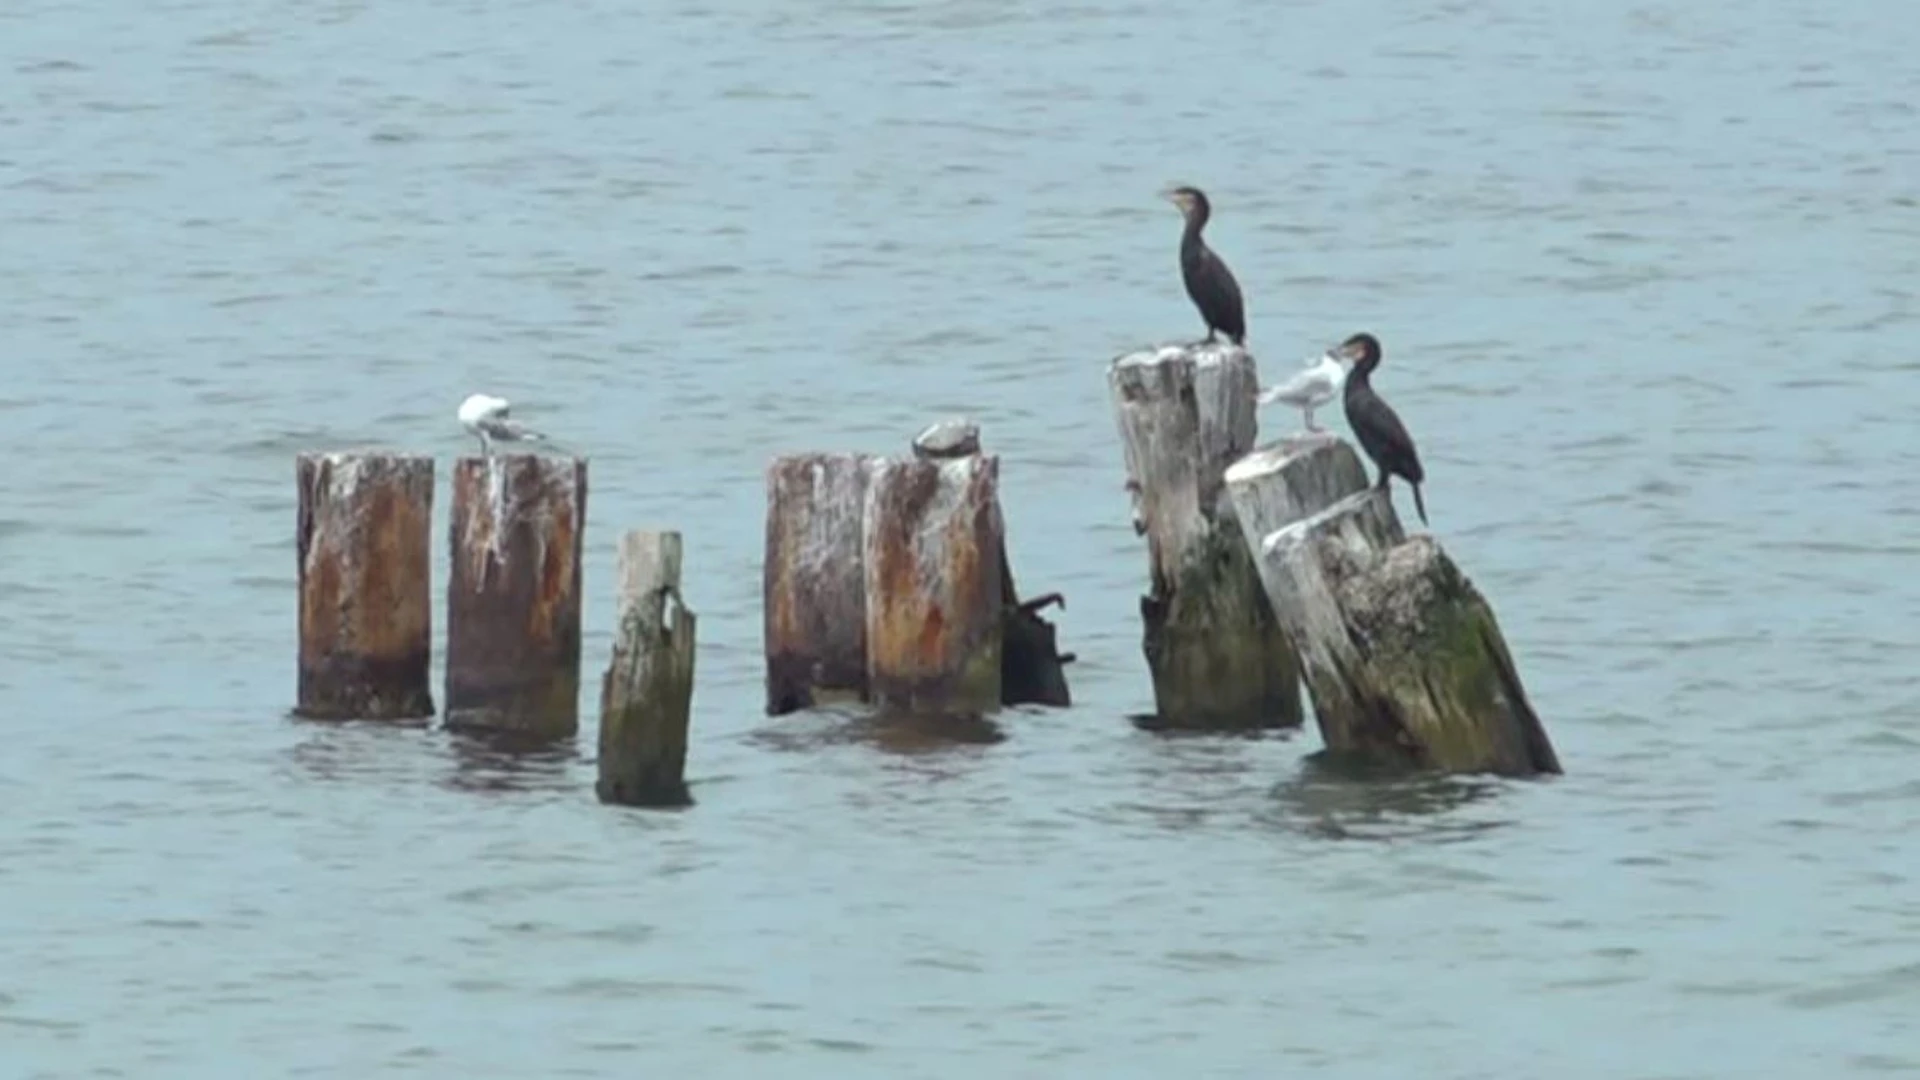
(486, 417)
(1310, 388)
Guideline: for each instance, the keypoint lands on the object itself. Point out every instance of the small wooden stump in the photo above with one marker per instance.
(513, 604)
(933, 586)
(1402, 656)
(364, 545)
(814, 581)
(1217, 655)
(647, 694)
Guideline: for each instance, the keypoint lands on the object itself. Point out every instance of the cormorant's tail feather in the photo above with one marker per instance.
(1418, 504)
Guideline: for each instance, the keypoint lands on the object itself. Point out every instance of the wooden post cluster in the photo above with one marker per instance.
(1218, 657)
(366, 613)
(1402, 656)
(886, 582)
(513, 598)
(646, 696)
(513, 601)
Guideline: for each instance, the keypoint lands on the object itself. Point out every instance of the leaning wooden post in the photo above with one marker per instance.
(933, 588)
(1402, 655)
(647, 694)
(814, 582)
(364, 545)
(1217, 655)
(513, 601)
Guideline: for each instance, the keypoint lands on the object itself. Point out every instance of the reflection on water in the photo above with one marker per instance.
(502, 761)
(898, 733)
(1336, 798)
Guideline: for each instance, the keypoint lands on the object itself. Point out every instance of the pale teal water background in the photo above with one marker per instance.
(1646, 275)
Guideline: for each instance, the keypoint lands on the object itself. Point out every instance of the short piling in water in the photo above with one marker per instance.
(646, 696)
(1402, 656)
(513, 601)
(814, 581)
(933, 537)
(1218, 657)
(859, 546)
(364, 546)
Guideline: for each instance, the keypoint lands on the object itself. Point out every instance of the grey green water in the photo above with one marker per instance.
(1646, 275)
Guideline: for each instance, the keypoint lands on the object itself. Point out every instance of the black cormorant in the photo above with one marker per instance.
(1208, 280)
(1375, 424)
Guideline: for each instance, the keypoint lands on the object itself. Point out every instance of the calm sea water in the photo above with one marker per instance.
(1646, 276)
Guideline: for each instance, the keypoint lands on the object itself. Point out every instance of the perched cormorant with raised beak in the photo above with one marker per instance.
(1208, 280)
(1375, 424)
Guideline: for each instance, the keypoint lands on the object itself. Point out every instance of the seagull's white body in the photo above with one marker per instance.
(486, 418)
(1309, 388)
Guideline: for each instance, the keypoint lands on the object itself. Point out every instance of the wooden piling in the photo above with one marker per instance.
(647, 693)
(1218, 657)
(814, 581)
(363, 542)
(933, 538)
(513, 601)
(1402, 656)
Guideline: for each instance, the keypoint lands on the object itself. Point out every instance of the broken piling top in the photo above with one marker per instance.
(647, 694)
(814, 582)
(933, 539)
(1277, 485)
(1185, 413)
(364, 546)
(513, 598)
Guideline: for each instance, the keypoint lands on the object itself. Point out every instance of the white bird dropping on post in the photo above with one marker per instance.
(486, 418)
(1309, 388)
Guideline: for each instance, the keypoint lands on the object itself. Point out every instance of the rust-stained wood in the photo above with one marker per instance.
(513, 601)
(814, 581)
(646, 697)
(933, 539)
(1217, 656)
(1401, 655)
(364, 546)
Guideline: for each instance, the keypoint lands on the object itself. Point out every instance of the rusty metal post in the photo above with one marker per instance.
(513, 601)
(366, 611)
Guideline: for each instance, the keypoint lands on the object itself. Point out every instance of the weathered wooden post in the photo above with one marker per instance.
(366, 610)
(933, 538)
(814, 581)
(1031, 663)
(647, 694)
(1218, 657)
(1402, 656)
(513, 604)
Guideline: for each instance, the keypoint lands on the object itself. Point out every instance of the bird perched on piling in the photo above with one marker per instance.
(486, 417)
(1209, 283)
(1374, 422)
(1309, 388)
